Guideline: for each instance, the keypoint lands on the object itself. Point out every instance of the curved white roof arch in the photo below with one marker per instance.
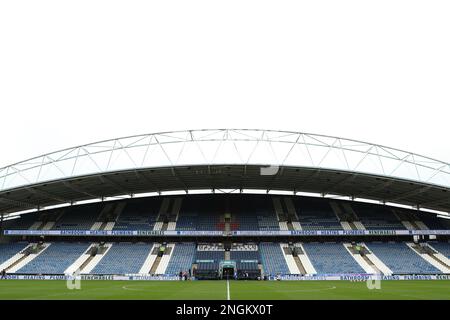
(161, 162)
(226, 147)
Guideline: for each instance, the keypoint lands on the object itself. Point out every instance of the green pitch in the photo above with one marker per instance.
(218, 290)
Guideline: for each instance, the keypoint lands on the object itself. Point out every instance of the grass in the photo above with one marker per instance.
(217, 290)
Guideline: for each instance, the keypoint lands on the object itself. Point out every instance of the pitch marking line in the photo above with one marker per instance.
(228, 289)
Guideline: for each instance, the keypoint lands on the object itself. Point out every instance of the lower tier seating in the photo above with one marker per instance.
(215, 256)
(331, 258)
(182, 258)
(128, 258)
(55, 259)
(401, 259)
(123, 258)
(442, 247)
(272, 259)
(8, 250)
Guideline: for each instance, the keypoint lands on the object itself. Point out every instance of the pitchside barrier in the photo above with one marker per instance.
(363, 277)
(93, 277)
(146, 233)
(354, 277)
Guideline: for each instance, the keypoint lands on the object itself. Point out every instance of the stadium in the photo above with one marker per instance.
(226, 214)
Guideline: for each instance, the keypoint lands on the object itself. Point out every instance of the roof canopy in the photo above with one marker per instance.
(297, 161)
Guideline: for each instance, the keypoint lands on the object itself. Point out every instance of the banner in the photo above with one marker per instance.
(356, 277)
(156, 233)
(89, 277)
(341, 233)
(110, 233)
(290, 277)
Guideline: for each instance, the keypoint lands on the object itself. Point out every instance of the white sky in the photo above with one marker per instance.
(74, 72)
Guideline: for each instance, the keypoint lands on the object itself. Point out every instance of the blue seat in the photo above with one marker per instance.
(8, 250)
(273, 259)
(138, 214)
(401, 259)
(377, 217)
(316, 214)
(123, 258)
(55, 259)
(181, 259)
(442, 247)
(331, 258)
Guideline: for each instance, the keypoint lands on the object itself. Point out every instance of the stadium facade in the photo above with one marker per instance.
(226, 203)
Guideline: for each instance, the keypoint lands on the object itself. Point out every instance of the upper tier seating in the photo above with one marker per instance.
(316, 214)
(55, 259)
(123, 258)
(401, 259)
(201, 213)
(245, 221)
(272, 259)
(78, 217)
(24, 222)
(442, 247)
(433, 222)
(377, 217)
(181, 259)
(211, 213)
(8, 250)
(331, 258)
(139, 214)
(253, 213)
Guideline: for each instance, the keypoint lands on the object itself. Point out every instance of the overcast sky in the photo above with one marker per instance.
(74, 72)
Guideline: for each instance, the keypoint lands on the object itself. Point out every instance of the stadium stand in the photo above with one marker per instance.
(272, 259)
(295, 267)
(331, 258)
(25, 222)
(247, 213)
(377, 217)
(276, 258)
(181, 259)
(401, 259)
(78, 218)
(228, 213)
(316, 214)
(433, 222)
(139, 214)
(207, 258)
(430, 255)
(55, 259)
(9, 250)
(147, 204)
(123, 258)
(198, 215)
(239, 256)
(442, 247)
(253, 213)
(211, 256)
(246, 260)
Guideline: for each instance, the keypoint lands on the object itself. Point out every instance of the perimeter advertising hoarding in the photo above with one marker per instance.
(147, 233)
